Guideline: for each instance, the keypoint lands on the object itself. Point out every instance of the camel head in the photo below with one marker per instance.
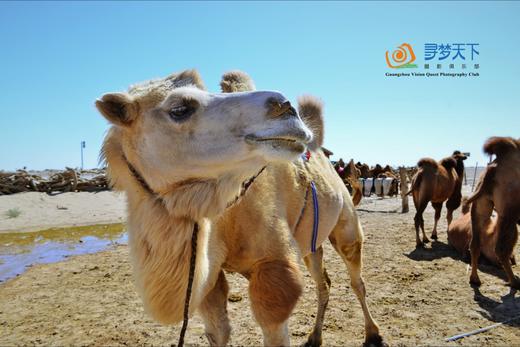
(459, 158)
(172, 130)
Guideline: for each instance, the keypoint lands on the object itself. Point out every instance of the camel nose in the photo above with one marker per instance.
(277, 107)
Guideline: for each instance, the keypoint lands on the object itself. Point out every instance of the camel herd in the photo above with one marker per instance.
(361, 180)
(498, 190)
(237, 181)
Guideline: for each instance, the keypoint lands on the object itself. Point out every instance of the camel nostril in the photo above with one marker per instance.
(277, 107)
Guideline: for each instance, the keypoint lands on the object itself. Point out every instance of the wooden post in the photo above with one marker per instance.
(474, 176)
(404, 190)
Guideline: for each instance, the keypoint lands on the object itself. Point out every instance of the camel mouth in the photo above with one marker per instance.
(283, 142)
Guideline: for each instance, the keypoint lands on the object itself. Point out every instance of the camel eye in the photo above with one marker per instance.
(181, 113)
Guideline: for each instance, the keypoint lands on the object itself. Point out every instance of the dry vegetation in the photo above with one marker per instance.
(69, 180)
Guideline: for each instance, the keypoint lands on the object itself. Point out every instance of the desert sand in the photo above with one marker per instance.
(419, 297)
(40, 211)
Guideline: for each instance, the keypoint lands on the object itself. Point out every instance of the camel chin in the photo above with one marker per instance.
(281, 146)
(277, 149)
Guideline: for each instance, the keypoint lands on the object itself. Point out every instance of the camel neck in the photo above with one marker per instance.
(221, 193)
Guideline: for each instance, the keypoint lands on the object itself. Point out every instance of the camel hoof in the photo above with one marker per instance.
(374, 341)
(425, 240)
(515, 283)
(434, 237)
(475, 281)
(419, 245)
(312, 342)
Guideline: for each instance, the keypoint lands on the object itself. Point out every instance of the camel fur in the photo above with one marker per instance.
(350, 175)
(437, 182)
(459, 236)
(364, 169)
(498, 189)
(195, 150)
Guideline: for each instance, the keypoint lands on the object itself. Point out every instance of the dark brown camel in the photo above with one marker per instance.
(364, 169)
(376, 171)
(499, 189)
(388, 168)
(437, 182)
(340, 168)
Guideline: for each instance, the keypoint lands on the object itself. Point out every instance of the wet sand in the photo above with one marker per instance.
(419, 297)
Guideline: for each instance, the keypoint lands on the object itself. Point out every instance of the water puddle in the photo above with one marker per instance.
(20, 250)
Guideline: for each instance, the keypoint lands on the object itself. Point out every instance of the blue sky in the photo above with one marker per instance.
(57, 58)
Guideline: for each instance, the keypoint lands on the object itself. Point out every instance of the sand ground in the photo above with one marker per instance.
(40, 211)
(419, 297)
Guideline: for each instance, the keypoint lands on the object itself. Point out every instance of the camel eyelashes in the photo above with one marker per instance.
(181, 113)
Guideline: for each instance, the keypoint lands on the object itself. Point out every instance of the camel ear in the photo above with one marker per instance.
(118, 108)
(236, 81)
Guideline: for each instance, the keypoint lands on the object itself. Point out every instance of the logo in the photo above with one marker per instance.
(402, 57)
(440, 60)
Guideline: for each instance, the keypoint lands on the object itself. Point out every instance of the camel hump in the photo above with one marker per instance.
(236, 81)
(449, 163)
(310, 109)
(425, 163)
(501, 145)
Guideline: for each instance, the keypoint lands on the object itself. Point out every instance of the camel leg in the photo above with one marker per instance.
(449, 216)
(274, 289)
(347, 239)
(314, 263)
(507, 237)
(481, 211)
(438, 208)
(213, 310)
(453, 203)
(419, 223)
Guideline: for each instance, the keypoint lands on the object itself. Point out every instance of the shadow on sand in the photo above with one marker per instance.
(440, 250)
(492, 310)
(499, 311)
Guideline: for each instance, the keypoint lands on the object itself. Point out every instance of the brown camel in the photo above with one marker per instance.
(228, 165)
(375, 171)
(364, 169)
(499, 189)
(327, 152)
(389, 169)
(340, 168)
(352, 175)
(459, 235)
(437, 182)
